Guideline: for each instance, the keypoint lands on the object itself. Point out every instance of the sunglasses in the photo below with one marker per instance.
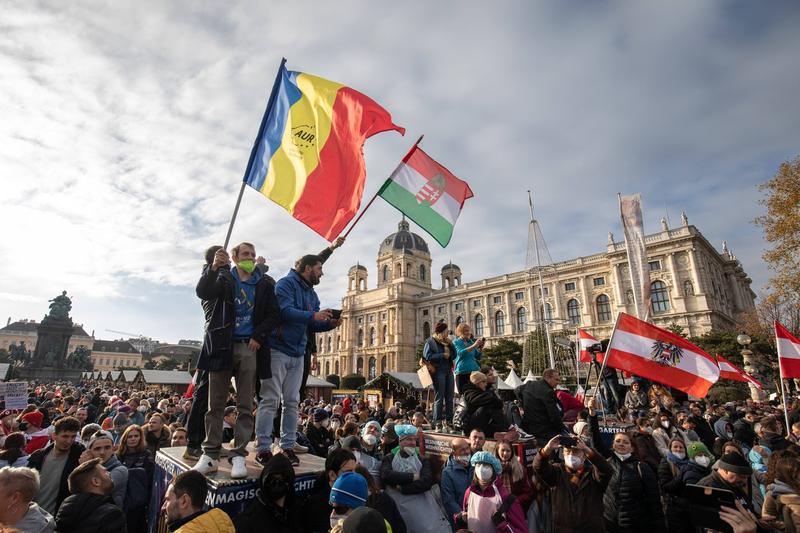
(340, 509)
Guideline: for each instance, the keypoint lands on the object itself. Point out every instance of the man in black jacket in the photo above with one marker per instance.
(701, 426)
(484, 407)
(243, 313)
(543, 415)
(56, 462)
(90, 508)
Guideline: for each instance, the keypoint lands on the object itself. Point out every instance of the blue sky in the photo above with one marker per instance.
(126, 129)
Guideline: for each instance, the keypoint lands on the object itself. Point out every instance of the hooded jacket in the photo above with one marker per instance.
(297, 302)
(216, 289)
(119, 474)
(262, 514)
(36, 460)
(36, 520)
(90, 513)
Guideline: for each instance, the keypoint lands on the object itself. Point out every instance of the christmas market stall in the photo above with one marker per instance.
(317, 388)
(403, 387)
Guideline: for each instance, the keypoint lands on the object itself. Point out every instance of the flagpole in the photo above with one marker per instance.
(541, 285)
(780, 373)
(270, 103)
(577, 355)
(361, 214)
(605, 357)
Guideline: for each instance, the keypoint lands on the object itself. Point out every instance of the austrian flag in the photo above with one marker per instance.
(788, 352)
(661, 356)
(587, 340)
(427, 193)
(728, 370)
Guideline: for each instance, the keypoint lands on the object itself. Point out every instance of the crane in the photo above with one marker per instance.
(135, 335)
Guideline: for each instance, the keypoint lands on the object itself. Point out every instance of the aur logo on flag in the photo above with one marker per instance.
(430, 193)
(665, 353)
(304, 137)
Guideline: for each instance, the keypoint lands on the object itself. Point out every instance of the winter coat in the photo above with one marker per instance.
(576, 508)
(90, 513)
(514, 522)
(714, 480)
(743, 432)
(783, 503)
(774, 442)
(636, 401)
(646, 450)
(456, 479)
(36, 460)
(692, 473)
(662, 437)
(521, 488)
(119, 474)
(216, 289)
(475, 398)
(155, 443)
(315, 510)
(263, 515)
(143, 459)
(433, 352)
(36, 520)
(320, 438)
(676, 507)
(212, 521)
(384, 504)
(544, 414)
(297, 302)
(703, 430)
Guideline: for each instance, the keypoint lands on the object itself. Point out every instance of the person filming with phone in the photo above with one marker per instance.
(468, 355)
(578, 483)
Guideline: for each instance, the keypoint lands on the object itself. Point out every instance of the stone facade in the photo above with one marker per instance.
(27, 331)
(111, 355)
(693, 286)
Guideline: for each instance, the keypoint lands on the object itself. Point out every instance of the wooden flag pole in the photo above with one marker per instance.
(361, 214)
(270, 103)
(780, 376)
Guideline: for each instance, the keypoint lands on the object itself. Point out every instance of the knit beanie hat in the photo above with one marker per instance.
(733, 462)
(320, 415)
(349, 490)
(477, 377)
(440, 327)
(579, 427)
(693, 449)
(489, 459)
(35, 418)
(364, 520)
(372, 423)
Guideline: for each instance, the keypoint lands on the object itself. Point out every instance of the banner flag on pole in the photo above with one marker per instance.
(728, 370)
(427, 193)
(586, 339)
(661, 356)
(788, 352)
(308, 156)
(630, 208)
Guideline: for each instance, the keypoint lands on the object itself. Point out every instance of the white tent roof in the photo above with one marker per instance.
(166, 377)
(502, 385)
(530, 376)
(314, 381)
(4, 370)
(513, 380)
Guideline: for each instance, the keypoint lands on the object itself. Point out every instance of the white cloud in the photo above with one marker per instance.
(126, 130)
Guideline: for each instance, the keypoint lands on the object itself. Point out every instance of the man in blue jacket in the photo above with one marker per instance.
(456, 478)
(299, 314)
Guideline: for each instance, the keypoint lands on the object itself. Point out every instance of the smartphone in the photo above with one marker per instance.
(336, 314)
(568, 442)
(705, 503)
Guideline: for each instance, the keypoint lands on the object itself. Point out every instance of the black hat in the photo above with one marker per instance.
(364, 520)
(733, 462)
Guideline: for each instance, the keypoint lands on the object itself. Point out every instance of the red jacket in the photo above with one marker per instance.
(568, 401)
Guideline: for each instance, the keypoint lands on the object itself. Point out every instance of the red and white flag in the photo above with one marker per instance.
(586, 339)
(192, 384)
(728, 370)
(788, 352)
(661, 356)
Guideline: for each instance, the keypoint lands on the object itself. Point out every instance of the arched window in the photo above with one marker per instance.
(330, 344)
(426, 329)
(548, 311)
(398, 270)
(408, 269)
(499, 323)
(522, 320)
(383, 364)
(385, 335)
(371, 368)
(362, 284)
(385, 273)
(479, 325)
(336, 367)
(447, 282)
(327, 368)
(688, 288)
(659, 297)
(574, 312)
(338, 342)
(360, 366)
(422, 273)
(360, 337)
(603, 308)
(372, 336)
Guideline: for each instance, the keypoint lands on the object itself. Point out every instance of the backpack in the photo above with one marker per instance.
(137, 495)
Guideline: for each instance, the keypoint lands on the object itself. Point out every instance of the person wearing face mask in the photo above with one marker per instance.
(370, 440)
(315, 509)
(274, 508)
(353, 444)
(676, 507)
(699, 464)
(488, 507)
(408, 478)
(578, 485)
(319, 434)
(663, 431)
(349, 492)
(632, 501)
(456, 477)
(514, 476)
(645, 445)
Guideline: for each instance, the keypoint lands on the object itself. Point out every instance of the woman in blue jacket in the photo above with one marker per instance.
(438, 354)
(468, 353)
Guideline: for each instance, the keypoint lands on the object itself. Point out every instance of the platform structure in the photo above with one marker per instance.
(230, 495)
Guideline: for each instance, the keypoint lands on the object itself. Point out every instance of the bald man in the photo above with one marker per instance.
(456, 477)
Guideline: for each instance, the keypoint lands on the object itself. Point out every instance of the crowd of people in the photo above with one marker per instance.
(80, 458)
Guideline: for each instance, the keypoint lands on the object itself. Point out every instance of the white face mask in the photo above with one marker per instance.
(573, 462)
(335, 519)
(357, 455)
(410, 450)
(464, 458)
(335, 425)
(484, 472)
(665, 424)
(679, 455)
(370, 439)
(702, 460)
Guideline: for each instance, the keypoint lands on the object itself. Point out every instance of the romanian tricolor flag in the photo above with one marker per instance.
(308, 156)
(427, 193)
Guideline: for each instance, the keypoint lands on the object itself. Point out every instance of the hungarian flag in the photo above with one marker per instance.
(427, 193)
(661, 356)
(788, 352)
(728, 370)
(586, 340)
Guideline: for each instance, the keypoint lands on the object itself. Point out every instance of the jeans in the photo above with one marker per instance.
(283, 386)
(219, 383)
(461, 382)
(443, 400)
(195, 425)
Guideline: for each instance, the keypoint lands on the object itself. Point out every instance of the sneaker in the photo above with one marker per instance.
(206, 465)
(299, 448)
(292, 457)
(192, 453)
(522, 434)
(238, 468)
(263, 458)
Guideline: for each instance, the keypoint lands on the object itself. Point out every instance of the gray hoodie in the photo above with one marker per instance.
(36, 520)
(119, 473)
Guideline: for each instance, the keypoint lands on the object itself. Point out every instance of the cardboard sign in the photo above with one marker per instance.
(15, 394)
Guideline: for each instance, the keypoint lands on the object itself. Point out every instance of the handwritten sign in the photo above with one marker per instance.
(15, 394)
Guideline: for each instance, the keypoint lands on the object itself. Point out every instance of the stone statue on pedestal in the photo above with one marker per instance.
(60, 306)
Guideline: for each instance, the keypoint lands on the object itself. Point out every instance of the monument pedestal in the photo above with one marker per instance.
(47, 363)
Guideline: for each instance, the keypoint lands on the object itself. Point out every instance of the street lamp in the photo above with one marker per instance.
(744, 341)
